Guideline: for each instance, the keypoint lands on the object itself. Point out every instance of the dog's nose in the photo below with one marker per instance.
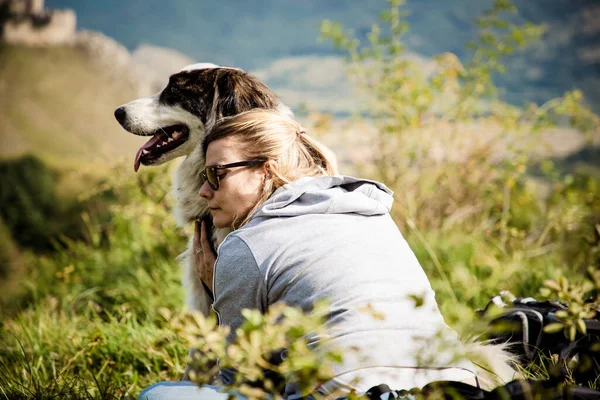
(120, 115)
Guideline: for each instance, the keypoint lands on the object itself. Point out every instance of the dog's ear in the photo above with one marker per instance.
(238, 91)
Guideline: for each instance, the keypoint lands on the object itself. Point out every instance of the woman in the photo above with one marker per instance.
(301, 233)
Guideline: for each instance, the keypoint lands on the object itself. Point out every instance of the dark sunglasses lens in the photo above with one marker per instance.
(211, 177)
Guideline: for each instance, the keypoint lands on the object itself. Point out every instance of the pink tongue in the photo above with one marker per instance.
(138, 155)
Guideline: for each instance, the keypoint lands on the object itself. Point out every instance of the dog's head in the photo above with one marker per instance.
(193, 101)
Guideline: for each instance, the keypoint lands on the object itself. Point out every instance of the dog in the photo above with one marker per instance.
(177, 119)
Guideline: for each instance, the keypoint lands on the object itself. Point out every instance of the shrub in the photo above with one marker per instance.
(88, 322)
(458, 158)
(37, 218)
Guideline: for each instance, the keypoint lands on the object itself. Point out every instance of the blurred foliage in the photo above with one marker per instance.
(94, 287)
(583, 300)
(459, 161)
(254, 355)
(85, 322)
(10, 259)
(475, 217)
(30, 208)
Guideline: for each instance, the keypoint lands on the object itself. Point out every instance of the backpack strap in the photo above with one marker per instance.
(381, 392)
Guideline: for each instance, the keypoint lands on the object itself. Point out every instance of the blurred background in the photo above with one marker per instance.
(481, 115)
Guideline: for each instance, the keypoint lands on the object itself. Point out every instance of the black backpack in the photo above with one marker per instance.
(515, 390)
(522, 323)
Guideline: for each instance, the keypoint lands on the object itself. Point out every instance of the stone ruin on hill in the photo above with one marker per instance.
(27, 22)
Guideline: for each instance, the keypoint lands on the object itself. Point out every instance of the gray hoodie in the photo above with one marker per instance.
(333, 237)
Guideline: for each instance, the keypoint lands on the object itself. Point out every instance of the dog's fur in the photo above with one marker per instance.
(494, 364)
(193, 101)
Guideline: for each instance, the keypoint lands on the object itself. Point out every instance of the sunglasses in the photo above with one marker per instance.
(210, 173)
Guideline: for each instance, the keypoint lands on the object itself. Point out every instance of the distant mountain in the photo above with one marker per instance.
(257, 34)
(58, 102)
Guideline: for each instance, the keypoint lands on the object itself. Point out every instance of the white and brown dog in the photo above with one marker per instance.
(177, 119)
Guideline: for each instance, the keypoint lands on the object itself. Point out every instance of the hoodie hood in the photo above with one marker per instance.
(328, 195)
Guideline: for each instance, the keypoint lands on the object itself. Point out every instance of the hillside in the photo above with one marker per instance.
(58, 103)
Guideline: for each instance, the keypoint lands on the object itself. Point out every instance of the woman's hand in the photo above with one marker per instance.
(203, 255)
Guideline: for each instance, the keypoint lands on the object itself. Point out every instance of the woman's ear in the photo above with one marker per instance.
(269, 167)
(268, 173)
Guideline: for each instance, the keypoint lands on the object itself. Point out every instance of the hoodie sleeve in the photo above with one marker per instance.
(238, 283)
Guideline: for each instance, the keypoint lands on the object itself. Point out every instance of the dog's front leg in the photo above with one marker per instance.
(196, 297)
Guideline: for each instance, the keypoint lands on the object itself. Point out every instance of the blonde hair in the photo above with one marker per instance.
(290, 153)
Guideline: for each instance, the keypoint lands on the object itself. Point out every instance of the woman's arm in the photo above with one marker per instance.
(238, 282)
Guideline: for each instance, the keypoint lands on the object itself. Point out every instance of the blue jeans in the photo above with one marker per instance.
(184, 390)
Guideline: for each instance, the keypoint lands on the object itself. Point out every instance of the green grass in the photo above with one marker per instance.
(87, 319)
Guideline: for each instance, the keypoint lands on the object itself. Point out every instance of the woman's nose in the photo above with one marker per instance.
(206, 192)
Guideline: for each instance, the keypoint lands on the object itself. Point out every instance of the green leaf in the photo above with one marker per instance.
(254, 318)
(564, 283)
(572, 333)
(554, 327)
(562, 314)
(581, 326)
(552, 285)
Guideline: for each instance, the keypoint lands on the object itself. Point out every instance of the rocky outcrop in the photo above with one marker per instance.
(28, 23)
